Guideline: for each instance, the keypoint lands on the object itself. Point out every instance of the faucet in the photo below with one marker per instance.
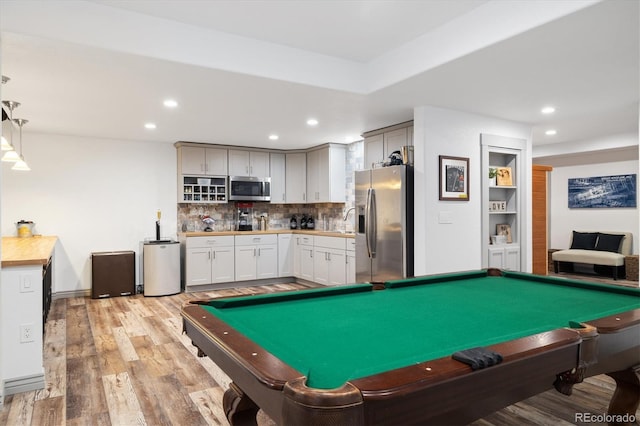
(346, 215)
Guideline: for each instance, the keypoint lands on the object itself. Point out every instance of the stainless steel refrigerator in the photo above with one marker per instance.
(384, 224)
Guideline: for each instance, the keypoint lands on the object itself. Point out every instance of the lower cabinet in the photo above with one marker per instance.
(225, 259)
(504, 257)
(209, 260)
(303, 257)
(351, 260)
(329, 265)
(256, 257)
(285, 255)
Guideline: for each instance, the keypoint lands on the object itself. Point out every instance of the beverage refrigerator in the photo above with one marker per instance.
(384, 223)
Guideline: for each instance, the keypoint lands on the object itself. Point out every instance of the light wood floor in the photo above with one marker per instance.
(124, 361)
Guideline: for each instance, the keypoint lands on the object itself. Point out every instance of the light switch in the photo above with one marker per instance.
(26, 285)
(445, 217)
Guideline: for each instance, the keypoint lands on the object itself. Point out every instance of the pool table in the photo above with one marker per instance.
(382, 354)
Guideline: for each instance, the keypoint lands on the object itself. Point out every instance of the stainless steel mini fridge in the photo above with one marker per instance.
(384, 228)
(161, 273)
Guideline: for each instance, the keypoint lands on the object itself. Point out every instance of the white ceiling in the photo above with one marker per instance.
(242, 70)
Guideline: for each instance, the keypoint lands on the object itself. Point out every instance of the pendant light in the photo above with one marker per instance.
(5, 146)
(21, 164)
(10, 155)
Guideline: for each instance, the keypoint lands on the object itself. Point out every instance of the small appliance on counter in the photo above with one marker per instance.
(293, 223)
(310, 223)
(25, 228)
(245, 217)
(303, 222)
(208, 221)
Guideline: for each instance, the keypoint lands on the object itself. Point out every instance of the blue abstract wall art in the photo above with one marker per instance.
(603, 191)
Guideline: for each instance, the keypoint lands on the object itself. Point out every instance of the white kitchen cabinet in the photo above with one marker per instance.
(277, 168)
(329, 260)
(256, 256)
(373, 151)
(351, 260)
(202, 161)
(303, 256)
(285, 255)
(326, 174)
(248, 163)
(379, 144)
(296, 178)
(209, 260)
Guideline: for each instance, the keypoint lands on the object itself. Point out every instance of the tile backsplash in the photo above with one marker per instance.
(327, 216)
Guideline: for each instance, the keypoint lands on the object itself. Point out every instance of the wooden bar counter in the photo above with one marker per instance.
(18, 251)
(25, 298)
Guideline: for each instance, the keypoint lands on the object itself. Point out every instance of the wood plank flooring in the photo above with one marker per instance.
(124, 361)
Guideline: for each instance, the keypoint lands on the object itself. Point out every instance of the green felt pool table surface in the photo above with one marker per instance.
(337, 334)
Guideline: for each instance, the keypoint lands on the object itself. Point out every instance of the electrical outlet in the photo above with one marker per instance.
(26, 333)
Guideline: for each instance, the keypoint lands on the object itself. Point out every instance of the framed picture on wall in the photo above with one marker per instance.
(454, 178)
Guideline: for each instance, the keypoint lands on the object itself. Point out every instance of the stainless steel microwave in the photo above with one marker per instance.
(248, 188)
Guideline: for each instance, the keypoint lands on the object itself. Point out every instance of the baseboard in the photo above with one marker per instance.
(24, 384)
(70, 294)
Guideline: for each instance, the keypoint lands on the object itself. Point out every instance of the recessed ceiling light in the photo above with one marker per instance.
(273, 137)
(548, 110)
(312, 122)
(550, 132)
(150, 125)
(170, 103)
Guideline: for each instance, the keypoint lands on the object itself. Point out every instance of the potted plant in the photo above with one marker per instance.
(493, 172)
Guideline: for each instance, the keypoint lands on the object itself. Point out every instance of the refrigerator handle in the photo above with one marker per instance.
(373, 224)
(370, 231)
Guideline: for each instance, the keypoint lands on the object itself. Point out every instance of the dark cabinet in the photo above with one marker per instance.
(113, 274)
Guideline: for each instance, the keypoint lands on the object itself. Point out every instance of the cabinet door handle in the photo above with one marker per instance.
(214, 255)
(258, 252)
(304, 196)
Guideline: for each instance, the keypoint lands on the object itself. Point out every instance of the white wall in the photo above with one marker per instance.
(455, 246)
(94, 194)
(563, 220)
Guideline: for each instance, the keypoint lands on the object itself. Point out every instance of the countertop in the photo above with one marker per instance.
(25, 251)
(269, 231)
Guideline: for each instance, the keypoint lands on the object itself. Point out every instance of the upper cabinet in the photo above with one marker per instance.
(296, 178)
(248, 163)
(379, 144)
(278, 178)
(202, 161)
(326, 174)
(502, 200)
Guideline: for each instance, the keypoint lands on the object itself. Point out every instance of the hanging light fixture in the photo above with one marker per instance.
(4, 146)
(21, 164)
(10, 155)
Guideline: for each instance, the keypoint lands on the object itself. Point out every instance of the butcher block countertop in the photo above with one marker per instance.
(270, 231)
(25, 251)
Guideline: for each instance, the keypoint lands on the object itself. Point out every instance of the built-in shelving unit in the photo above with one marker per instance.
(502, 202)
(197, 189)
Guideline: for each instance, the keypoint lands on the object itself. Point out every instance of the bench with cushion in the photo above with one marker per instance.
(600, 249)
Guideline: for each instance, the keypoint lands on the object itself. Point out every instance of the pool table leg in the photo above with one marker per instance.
(626, 397)
(238, 407)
